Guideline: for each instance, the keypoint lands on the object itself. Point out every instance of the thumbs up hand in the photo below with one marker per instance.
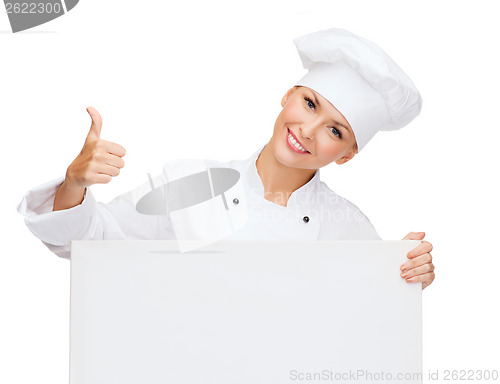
(95, 128)
(98, 161)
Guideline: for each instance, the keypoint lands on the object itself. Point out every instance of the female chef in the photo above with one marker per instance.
(352, 90)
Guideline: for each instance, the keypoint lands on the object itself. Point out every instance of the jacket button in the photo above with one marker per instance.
(235, 201)
(306, 219)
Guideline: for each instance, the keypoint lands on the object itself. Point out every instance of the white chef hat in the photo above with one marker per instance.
(360, 80)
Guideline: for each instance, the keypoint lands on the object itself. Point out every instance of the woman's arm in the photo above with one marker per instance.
(91, 220)
(67, 196)
(65, 209)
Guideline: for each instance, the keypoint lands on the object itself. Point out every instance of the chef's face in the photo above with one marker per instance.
(323, 134)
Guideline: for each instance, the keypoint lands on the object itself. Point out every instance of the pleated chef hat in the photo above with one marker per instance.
(357, 77)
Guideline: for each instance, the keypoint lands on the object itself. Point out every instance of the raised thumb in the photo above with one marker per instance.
(95, 128)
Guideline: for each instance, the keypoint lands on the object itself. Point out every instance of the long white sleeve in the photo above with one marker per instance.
(90, 220)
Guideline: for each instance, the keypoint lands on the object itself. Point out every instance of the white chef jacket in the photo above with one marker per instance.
(313, 212)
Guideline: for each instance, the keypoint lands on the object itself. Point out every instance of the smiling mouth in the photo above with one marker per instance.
(294, 143)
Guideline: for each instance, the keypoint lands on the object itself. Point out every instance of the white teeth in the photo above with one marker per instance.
(294, 142)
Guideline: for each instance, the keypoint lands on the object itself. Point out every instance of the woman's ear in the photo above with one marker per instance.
(348, 156)
(287, 95)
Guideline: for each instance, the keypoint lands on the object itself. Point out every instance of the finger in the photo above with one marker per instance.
(95, 128)
(106, 169)
(101, 178)
(414, 236)
(426, 278)
(425, 284)
(113, 148)
(417, 261)
(423, 247)
(425, 268)
(114, 161)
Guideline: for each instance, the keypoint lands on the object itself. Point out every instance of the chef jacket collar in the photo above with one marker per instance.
(301, 196)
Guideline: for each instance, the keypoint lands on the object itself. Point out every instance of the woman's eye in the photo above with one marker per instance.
(310, 103)
(336, 132)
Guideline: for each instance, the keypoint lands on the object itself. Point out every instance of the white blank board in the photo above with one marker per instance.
(243, 312)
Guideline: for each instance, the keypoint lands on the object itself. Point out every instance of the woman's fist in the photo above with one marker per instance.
(98, 161)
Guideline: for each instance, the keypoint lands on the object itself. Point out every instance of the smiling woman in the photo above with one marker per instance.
(352, 90)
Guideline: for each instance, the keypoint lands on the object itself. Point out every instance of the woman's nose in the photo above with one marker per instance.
(308, 131)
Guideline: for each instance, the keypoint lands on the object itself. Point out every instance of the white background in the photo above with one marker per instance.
(204, 79)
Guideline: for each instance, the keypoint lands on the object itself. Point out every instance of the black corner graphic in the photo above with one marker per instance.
(26, 14)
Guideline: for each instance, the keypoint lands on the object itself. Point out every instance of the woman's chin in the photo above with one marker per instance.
(287, 158)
